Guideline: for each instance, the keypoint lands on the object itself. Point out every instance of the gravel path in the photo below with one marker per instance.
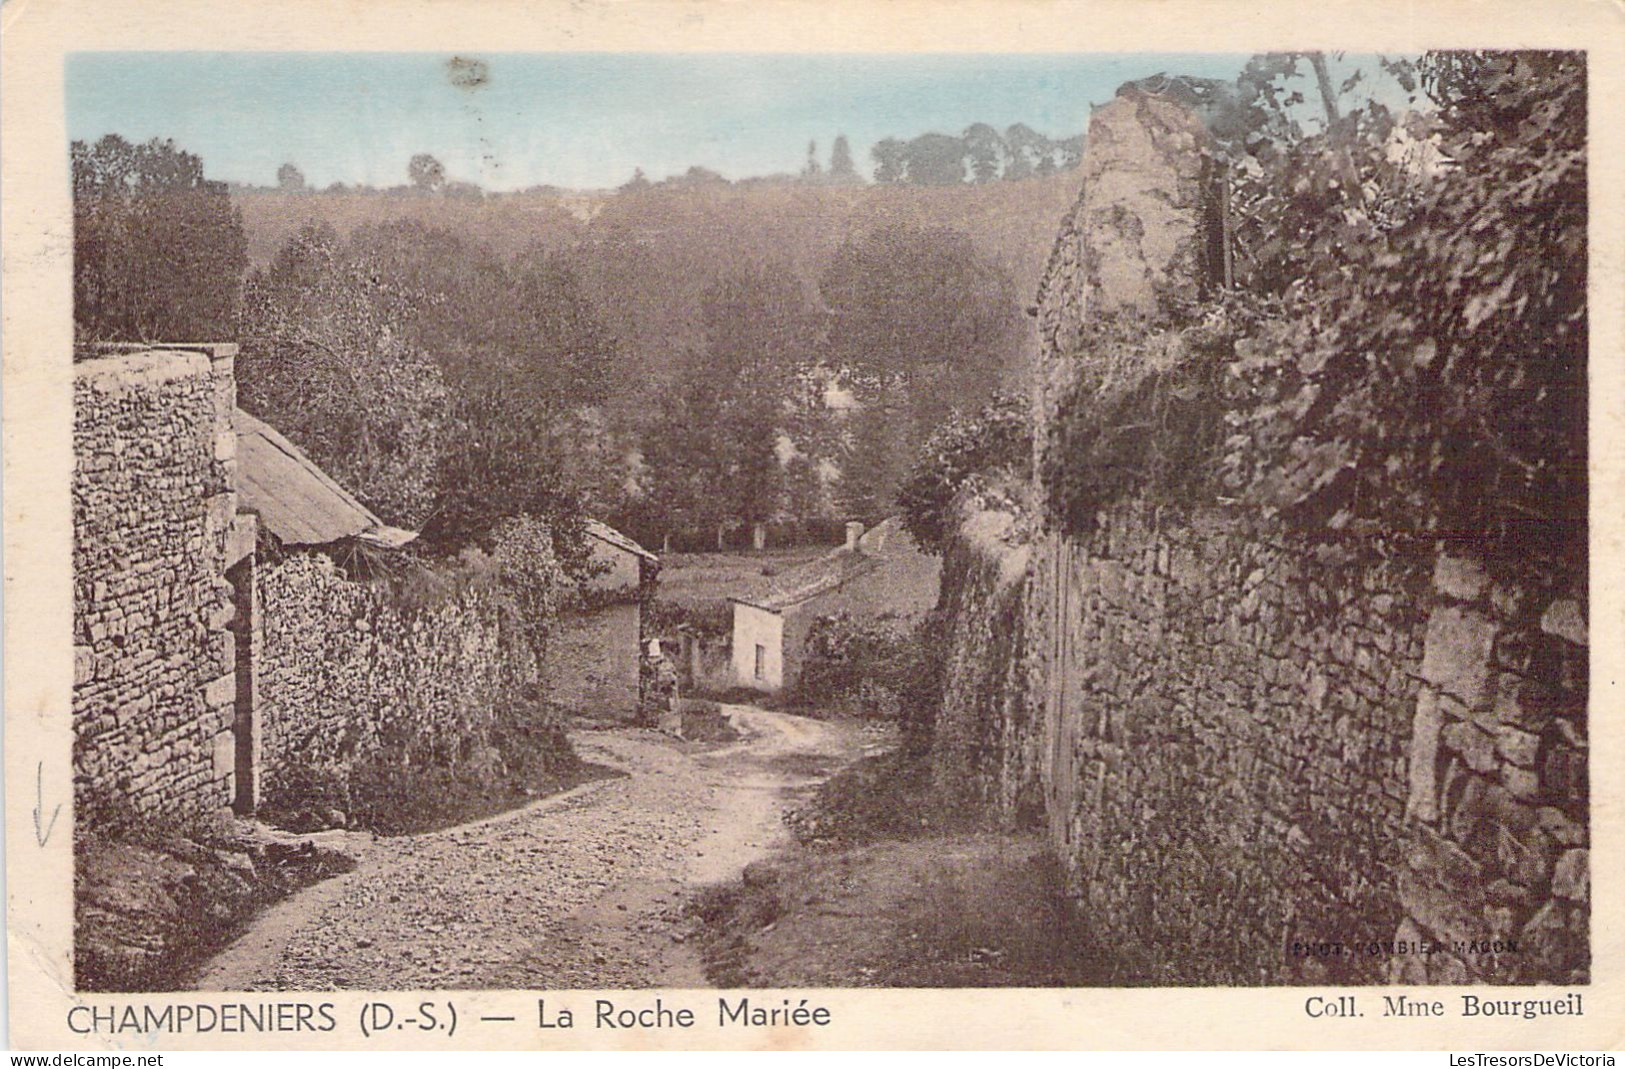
(581, 890)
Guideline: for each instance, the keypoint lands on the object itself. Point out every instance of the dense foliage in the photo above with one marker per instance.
(1405, 359)
(874, 666)
(389, 359)
(921, 324)
(531, 576)
(158, 250)
(327, 360)
(965, 454)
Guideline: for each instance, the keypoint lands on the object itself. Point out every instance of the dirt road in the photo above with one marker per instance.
(580, 890)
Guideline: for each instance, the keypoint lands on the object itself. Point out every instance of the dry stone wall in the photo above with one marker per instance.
(350, 673)
(1497, 854)
(1224, 762)
(153, 512)
(984, 747)
(1257, 762)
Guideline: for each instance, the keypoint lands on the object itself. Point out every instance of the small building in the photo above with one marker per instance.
(879, 572)
(593, 660)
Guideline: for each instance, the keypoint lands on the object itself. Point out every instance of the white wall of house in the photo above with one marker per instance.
(758, 647)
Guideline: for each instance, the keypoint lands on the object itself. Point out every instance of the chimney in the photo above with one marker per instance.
(854, 531)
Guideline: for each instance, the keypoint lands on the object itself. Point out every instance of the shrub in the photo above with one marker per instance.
(1156, 423)
(531, 576)
(965, 452)
(873, 666)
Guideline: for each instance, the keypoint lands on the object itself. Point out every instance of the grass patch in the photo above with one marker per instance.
(885, 890)
(887, 796)
(150, 909)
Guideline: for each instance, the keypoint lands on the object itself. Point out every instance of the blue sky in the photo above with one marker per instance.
(581, 120)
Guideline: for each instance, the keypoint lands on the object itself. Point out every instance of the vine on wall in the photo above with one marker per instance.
(1403, 360)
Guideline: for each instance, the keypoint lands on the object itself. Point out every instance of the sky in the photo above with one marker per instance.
(576, 120)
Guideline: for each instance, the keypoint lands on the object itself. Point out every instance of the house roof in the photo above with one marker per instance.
(296, 501)
(811, 579)
(607, 534)
(878, 546)
(885, 545)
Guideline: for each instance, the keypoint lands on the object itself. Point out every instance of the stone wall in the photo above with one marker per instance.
(592, 661)
(1131, 244)
(350, 672)
(1256, 761)
(984, 749)
(1225, 729)
(153, 514)
(1499, 799)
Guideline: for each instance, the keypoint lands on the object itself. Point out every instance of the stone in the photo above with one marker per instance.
(1523, 859)
(1556, 823)
(1459, 578)
(220, 691)
(1408, 968)
(1456, 657)
(223, 754)
(84, 665)
(1571, 876)
(1522, 782)
(1522, 704)
(1549, 944)
(1423, 801)
(1564, 619)
(1475, 746)
(1442, 863)
(1504, 892)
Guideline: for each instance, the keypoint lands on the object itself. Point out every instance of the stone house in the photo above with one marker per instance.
(592, 664)
(881, 571)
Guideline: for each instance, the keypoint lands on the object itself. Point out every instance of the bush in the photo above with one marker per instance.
(531, 575)
(875, 667)
(966, 451)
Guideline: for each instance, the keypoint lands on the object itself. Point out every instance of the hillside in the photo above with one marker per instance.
(648, 255)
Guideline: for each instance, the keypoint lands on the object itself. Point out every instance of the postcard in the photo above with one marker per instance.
(790, 526)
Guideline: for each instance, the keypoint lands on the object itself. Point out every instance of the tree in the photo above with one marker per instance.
(636, 184)
(715, 450)
(1027, 150)
(935, 160)
(921, 306)
(290, 179)
(426, 173)
(811, 171)
(527, 361)
(986, 150)
(890, 160)
(841, 167)
(686, 454)
(967, 452)
(921, 324)
(1071, 151)
(883, 437)
(327, 359)
(158, 250)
